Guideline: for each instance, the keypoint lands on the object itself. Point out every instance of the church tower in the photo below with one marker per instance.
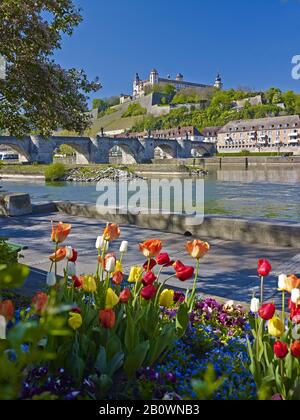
(218, 82)
(154, 77)
(136, 85)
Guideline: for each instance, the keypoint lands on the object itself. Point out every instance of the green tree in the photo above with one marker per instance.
(134, 110)
(38, 95)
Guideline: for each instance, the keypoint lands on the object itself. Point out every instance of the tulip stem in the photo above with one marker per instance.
(283, 307)
(262, 290)
(55, 263)
(191, 299)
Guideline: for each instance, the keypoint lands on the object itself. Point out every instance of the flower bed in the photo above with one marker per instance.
(107, 335)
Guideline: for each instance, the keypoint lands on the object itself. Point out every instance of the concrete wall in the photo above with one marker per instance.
(264, 232)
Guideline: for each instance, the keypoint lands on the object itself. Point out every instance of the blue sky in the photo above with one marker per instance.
(251, 42)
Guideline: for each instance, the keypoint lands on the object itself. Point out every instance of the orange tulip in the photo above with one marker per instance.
(107, 318)
(60, 231)
(40, 301)
(59, 255)
(292, 282)
(151, 248)
(7, 309)
(118, 277)
(197, 249)
(111, 232)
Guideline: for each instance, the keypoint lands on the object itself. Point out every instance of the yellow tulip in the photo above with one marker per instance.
(135, 275)
(111, 299)
(75, 321)
(89, 284)
(119, 267)
(166, 298)
(276, 327)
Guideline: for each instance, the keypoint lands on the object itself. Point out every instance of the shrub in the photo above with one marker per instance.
(7, 255)
(55, 172)
(134, 110)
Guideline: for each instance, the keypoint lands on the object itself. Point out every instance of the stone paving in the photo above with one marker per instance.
(228, 271)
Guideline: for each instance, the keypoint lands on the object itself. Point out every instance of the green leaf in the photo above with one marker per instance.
(113, 347)
(182, 319)
(131, 334)
(135, 359)
(101, 363)
(115, 364)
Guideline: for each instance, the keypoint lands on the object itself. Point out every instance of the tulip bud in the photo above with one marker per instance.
(276, 327)
(282, 282)
(295, 296)
(71, 269)
(101, 243)
(280, 350)
(254, 307)
(69, 252)
(2, 328)
(110, 265)
(51, 279)
(124, 247)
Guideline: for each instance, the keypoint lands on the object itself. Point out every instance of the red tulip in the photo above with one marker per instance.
(185, 273)
(125, 296)
(179, 297)
(295, 312)
(163, 259)
(149, 266)
(40, 301)
(107, 319)
(76, 310)
(7, 309)
(281, 350)
(264, 268)
(178, 265)
(267, 311)
(149, 278)
(117, 278)
(295, 349)
(77, 282)
(74, 256)
(148, 292)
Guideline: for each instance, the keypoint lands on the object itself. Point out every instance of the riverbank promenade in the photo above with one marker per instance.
(227, 271)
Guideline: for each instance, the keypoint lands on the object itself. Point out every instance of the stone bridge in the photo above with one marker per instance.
(97, 150)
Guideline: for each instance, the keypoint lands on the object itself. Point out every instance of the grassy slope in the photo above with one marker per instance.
(110, 122)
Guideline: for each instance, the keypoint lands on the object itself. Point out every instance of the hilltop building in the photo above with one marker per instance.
(140, 86)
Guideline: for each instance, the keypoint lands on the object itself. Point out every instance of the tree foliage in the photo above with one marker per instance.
(219, 109)
(37, 94)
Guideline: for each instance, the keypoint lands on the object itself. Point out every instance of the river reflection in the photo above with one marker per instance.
(257, 192)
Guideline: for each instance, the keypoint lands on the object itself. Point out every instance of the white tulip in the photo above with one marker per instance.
(69, 252)
(124, 247)
(110, 265)
(254, 307)
(101, 243)
(71, 269)
(51, 279)
(2, 328)
(282, 282)
(295, 295)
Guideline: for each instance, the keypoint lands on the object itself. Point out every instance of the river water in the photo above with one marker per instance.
(272, 193)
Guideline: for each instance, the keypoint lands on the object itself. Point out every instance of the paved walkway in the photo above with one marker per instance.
(228, 271)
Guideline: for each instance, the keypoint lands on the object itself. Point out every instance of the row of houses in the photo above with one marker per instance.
(263, 134)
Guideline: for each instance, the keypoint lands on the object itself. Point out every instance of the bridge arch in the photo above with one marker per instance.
(19, 146)
(121, 152)
(80, 146)
(198, 150)
(165, 150)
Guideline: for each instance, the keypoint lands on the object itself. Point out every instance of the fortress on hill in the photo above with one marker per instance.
(140, 86)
